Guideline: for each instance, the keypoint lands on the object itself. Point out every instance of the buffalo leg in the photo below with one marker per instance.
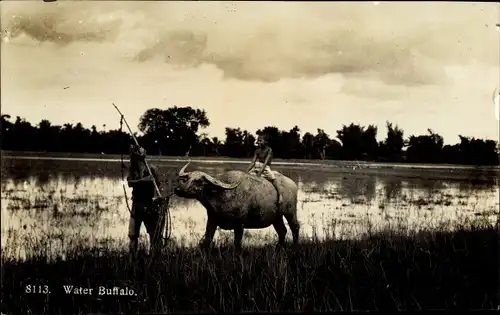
(291, 218)
(209, 234)
(238, 236)
(280, 228)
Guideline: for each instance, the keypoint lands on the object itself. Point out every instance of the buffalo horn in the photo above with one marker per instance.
(182, 171)
(219, 183)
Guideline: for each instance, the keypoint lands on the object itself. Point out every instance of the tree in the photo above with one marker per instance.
(291, 145)
(369, 143)
(477, 151)
(6, 131)
(392, 147)
(173, 130)
(425, 148)
(324, 147)
(202, 146)
(248, 143)
(217, 145)
(95, 140)
(308, 145)
(321, 144)
(352, 138)
(234, 146)
(22, 129)
(46, 136)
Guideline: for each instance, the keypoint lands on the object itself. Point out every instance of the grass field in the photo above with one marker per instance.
(385, 271)
(450, 266)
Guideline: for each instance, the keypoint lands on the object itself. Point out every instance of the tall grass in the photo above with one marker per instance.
(386, 270)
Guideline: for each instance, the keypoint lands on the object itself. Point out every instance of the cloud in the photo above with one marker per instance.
(53, 22)
(396, 44)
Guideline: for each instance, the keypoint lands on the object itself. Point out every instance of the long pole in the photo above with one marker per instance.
(137, 143)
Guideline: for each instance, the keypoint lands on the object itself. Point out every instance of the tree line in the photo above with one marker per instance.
(176, 131)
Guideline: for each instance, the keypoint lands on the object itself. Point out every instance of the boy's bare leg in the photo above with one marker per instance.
(268, 174)
(280, 196)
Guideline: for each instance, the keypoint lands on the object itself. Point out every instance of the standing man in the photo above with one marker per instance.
(146, 204)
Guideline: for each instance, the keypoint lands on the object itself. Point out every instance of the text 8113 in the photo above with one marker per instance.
(36, 289)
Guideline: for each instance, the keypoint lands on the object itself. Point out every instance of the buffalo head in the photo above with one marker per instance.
(193, 184)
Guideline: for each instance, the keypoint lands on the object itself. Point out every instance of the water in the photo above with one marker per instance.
(57, 204)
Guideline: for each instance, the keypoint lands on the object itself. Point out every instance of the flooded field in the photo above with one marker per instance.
(59, 204)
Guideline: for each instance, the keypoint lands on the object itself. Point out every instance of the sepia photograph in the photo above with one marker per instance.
(215, 156)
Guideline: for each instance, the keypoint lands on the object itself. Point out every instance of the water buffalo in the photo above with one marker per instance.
(237, 201)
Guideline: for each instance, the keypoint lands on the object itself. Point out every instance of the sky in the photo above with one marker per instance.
(254, 64)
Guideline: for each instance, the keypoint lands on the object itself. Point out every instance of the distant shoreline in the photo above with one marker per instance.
(68, 156)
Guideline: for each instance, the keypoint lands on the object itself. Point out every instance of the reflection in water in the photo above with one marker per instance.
(67, 201)
(392, 187)
(354, 187)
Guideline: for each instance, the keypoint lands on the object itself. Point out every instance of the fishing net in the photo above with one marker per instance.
(161, 211)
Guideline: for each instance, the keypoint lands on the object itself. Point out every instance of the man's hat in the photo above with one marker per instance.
(137, 151)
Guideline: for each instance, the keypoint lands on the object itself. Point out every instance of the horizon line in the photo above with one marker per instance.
(356, 164)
